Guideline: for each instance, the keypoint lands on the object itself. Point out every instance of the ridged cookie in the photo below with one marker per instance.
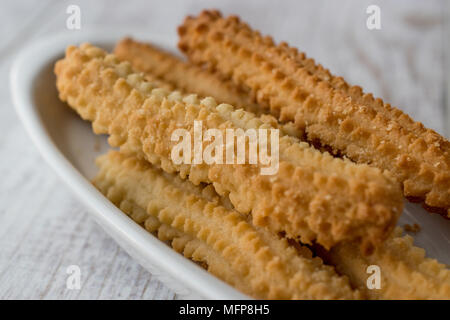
(182, 76)
(406, 273)
(259, 263)
(326, 107)
(313, 196)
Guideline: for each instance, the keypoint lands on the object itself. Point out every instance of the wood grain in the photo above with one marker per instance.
(43, 228)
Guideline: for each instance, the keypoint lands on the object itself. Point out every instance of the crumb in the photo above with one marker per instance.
(412, 228)
(202, 264)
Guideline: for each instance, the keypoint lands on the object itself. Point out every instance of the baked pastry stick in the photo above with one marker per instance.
(405, 271)
(193, 220)
(325, 107)
(113, 164)
(312, 196)
(165, 70)
(181, 75)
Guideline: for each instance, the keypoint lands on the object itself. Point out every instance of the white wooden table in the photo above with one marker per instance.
(43, 229)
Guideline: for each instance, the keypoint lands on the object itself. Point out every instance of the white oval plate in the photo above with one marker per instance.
(70, 147)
